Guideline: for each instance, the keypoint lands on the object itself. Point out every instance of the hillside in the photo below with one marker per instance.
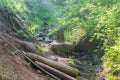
(81, 35)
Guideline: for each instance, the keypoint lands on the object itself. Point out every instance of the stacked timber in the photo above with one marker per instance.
(58, 69)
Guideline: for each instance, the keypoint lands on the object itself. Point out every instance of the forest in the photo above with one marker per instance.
(59, 39)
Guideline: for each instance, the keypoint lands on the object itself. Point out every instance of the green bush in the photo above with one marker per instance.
(21, 34)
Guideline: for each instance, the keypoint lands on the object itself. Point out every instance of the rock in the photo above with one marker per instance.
(47, 40)
(40, 39)
(44, 30)
(41, 34)
(59, 48)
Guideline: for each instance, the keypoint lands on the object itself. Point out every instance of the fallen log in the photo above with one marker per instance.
(55, 72)
(59, 66)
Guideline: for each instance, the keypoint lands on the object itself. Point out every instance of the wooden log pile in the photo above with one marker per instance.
(58, 69)
(55, 72)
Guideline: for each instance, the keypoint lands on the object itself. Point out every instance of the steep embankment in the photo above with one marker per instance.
(13, 65)
(8, 21)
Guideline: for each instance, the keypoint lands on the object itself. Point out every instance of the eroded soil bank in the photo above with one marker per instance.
(14, 67)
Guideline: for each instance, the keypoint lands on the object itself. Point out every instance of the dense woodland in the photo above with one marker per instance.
(92, 26)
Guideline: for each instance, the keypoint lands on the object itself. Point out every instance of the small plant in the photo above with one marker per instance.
(3, 65)
(27, 64)
(72, 61)
(41, 49)
(111, 77)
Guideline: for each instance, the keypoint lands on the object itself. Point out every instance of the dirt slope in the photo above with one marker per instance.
(14, 67)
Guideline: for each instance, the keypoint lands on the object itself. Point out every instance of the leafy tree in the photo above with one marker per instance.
(99, 21)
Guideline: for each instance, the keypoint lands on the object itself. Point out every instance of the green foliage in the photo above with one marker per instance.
(65, 50)
(34, 13)
(58, 2)
(41, 49)
(23, 35)
(99, 20)
(111, 77)
(72, 61)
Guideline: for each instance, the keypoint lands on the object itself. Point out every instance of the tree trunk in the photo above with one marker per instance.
(55, 72)
(61, 67)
